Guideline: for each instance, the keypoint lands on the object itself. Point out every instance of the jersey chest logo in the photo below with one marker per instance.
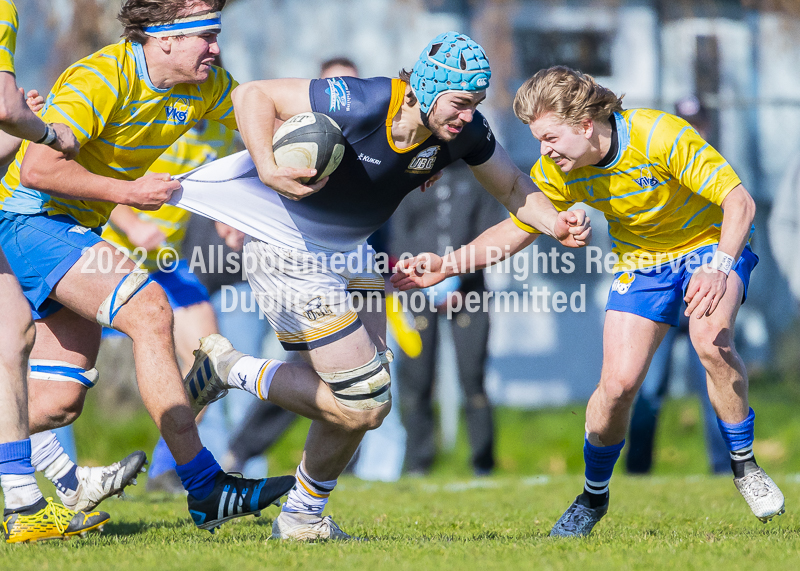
(423, 162)
(646, 178)
(178, 111)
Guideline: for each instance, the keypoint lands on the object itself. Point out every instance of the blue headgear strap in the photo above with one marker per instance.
(451, 62)
(189, 26)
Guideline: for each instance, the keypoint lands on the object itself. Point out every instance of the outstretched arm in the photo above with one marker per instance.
(257, 105)
(19, 121)
(517, 192)
(492, 246)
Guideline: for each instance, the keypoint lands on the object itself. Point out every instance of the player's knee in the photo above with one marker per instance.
(372, 418)
(712, 344)
(621, 389)
(363, 394)
(150, 314)
(61, 408)
(19, 336)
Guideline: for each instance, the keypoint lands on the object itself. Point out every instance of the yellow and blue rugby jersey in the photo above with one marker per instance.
(9, 22)
(205, 142)
(123, 122)
(661, 194)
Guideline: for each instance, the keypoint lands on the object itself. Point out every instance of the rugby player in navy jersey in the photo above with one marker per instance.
(399, 133)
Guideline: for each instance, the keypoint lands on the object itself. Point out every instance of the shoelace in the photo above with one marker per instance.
(58, 512)
(328, 525)
(755, 485)
(575, 518)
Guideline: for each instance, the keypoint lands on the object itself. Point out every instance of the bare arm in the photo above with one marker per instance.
(497, 243)
(517, 192)
(739, 211)
(49, 171)
(8, 148)
(16, 118)
(19, 121)
(257, 105)
(708, 285)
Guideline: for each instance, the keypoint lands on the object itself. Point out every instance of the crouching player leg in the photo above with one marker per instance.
(27, 516)
(343, 385)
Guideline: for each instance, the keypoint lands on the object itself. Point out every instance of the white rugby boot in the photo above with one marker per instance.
(306, 527)
(97, 484)
(208, 379)
(761, 493)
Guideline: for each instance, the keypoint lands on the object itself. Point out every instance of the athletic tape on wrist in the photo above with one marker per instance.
(722, 262)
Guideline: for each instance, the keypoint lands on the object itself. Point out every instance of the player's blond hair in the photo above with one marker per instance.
(573, 96)
(136, 15)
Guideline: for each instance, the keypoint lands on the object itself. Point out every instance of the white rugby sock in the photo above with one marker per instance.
(308, 496)
(20, 491)
(45, 448)
(254, 375)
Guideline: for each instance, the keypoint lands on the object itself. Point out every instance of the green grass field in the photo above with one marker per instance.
(678, 518)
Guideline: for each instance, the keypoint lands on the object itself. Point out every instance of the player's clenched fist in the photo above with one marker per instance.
(151, 191)
(573, 228)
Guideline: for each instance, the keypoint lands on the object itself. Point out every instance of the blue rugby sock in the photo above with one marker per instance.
(599, 462)
(162, 460)
(198, 474)
(739, 440)
(17, 476)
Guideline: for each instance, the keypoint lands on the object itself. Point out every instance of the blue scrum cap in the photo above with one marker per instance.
(451, 62)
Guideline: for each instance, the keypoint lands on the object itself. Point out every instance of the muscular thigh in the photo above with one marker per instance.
(13, 305)
(629, 342)
(92, 279)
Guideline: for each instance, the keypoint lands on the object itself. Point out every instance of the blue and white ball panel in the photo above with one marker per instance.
(40, 250)
(183, 287)
(657, 293)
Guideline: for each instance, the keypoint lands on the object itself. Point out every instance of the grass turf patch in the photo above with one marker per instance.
(443, 523)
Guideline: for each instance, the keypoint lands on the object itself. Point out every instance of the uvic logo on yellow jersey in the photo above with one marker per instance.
(623, 283)
(178, 111)
(646, 178)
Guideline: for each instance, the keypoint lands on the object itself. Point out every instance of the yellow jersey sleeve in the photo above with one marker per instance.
(85, 98)
(550, 180)
(692, 161)
(9, 23)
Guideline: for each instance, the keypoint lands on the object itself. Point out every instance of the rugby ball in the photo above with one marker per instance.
(309, 141)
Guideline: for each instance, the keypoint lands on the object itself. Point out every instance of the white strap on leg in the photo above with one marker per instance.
(128, 286)
(363, 388)
(386, 356)
(48, 370)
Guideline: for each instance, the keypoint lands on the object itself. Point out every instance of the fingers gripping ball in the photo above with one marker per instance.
(309, 141)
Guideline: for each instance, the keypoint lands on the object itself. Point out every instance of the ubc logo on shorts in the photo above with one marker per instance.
(623, 283)
(314, 309)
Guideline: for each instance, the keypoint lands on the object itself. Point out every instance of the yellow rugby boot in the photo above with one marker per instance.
(50, 521)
